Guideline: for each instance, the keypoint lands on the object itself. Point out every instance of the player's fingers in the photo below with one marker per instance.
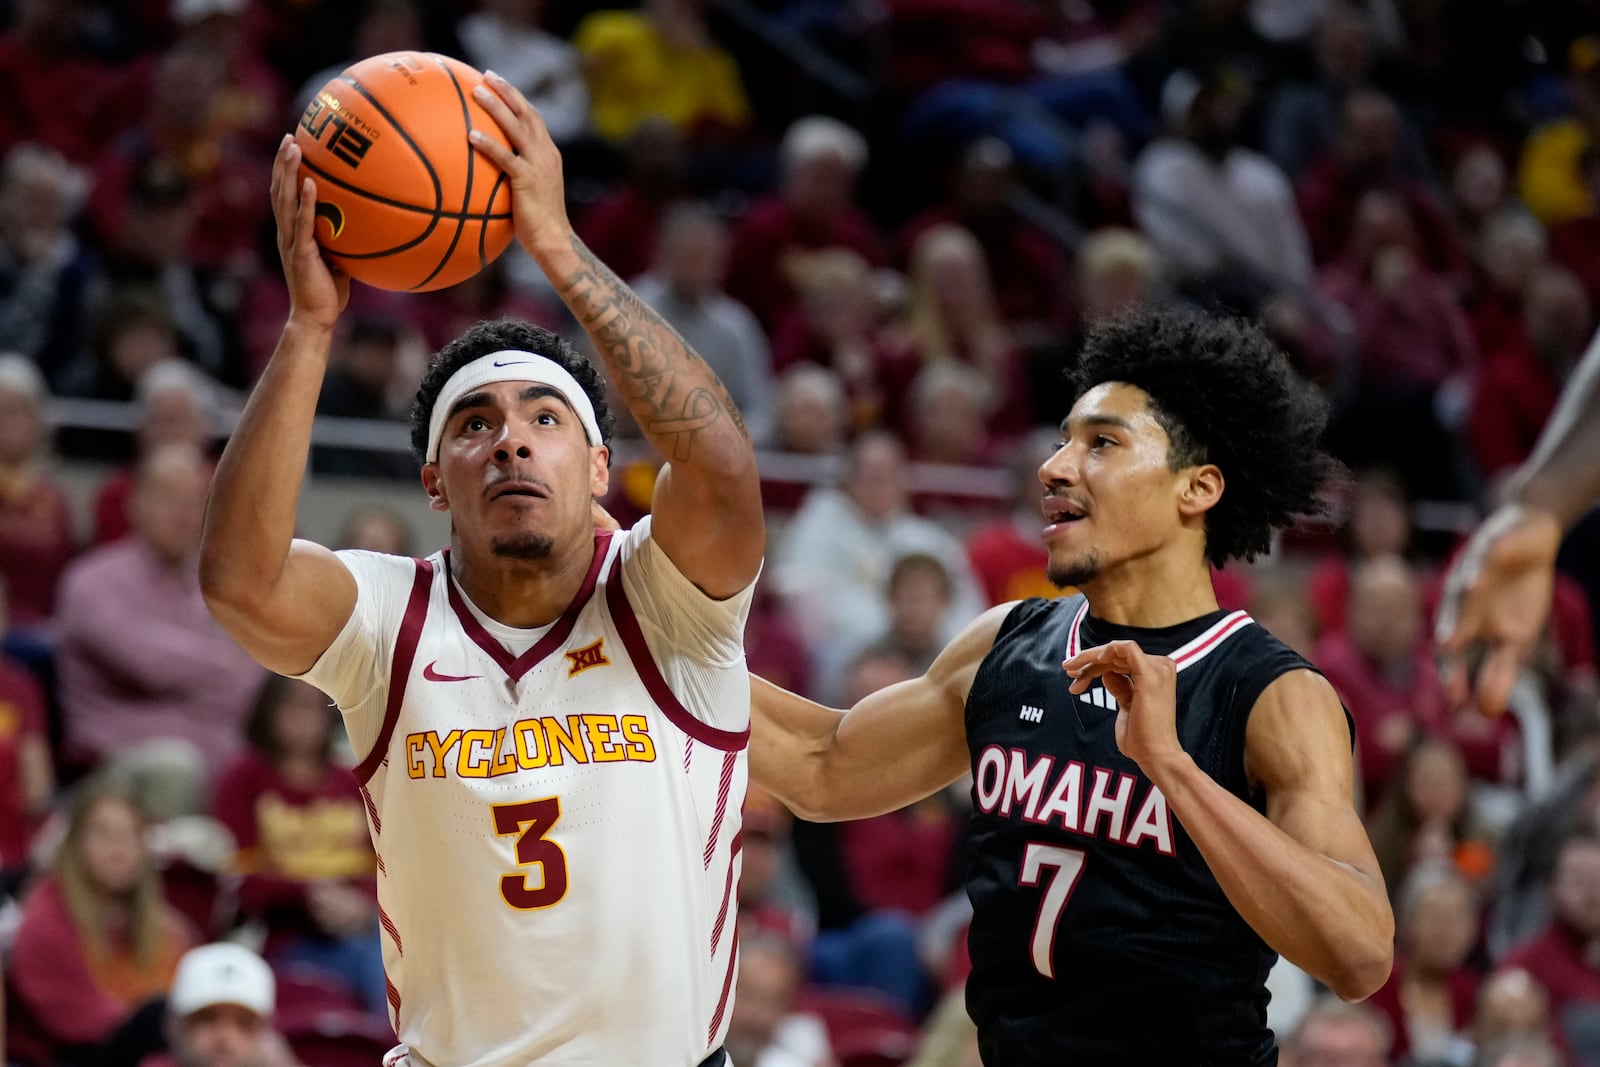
(516, 132)
(1496, 677)
(305, 232)
(515, 101)
(498, 154)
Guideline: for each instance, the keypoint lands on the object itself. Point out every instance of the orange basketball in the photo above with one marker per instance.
(403, 199)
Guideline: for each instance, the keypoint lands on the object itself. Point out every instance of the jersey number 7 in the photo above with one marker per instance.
(1065, 864)
(531, 820)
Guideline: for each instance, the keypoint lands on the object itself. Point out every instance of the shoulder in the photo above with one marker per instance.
(378, 568)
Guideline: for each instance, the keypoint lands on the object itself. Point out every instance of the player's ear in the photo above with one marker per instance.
(599, 471)
(433, 485)
(1201, 489)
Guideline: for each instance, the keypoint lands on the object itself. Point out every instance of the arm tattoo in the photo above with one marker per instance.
(668, 387)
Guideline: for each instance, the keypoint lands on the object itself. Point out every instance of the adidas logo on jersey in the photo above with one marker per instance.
(1100, 699)
(1030, 713)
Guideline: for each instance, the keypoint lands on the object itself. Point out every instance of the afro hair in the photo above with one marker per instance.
(1226, 395)
(500, 336)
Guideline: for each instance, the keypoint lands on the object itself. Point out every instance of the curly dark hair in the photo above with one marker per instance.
(1224, 394)
(496, 336)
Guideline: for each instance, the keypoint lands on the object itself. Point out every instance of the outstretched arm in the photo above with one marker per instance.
(282, 599)
(1497, 592)
(707, 507)
(1304, 877)
(897, 746)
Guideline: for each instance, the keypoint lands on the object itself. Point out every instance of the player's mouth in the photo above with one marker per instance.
(518, 490)
(1060, 513)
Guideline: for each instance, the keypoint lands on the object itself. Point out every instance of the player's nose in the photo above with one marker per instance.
(1061, 468)
(513, 444)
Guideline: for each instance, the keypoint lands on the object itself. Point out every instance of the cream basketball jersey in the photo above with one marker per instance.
(555, 811)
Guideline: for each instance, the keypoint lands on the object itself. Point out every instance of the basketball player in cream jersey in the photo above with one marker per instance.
(551, 718)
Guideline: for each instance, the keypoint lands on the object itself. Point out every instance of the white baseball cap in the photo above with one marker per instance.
(222, 973)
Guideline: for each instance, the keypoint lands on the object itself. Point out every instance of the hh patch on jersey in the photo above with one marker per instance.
(581, 659)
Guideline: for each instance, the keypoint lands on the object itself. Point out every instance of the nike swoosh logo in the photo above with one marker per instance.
(513, 363)
(434, 676)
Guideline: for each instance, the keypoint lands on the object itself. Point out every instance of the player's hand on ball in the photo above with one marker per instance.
(317, 292)
(533, 168)
(1145, 688)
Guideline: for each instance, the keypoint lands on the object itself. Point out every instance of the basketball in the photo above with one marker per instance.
(404, 202)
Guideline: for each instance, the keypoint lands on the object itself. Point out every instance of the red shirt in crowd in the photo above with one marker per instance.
(36, 543)
(902, 860)
(22, 717)
(290, 837)
(1463, 983)
(768, 233)
(1565, 965)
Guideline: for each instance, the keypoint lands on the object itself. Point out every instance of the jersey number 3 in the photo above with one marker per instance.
(530, 821)
(1065, 865)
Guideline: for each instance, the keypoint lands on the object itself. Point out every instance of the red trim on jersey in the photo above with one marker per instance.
(516, 666)
(727, 987)
(688, 753)
(405, 650)
(1072, 632)
(724, 785)
(372, 810)
(1197, 649)
(727, 893)
(650, 674)
(394, 931)
(379, 857)
(394, 999)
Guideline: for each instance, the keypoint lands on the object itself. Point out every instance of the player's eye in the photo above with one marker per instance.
(1101, 441)
(547, 418)
(475, 424)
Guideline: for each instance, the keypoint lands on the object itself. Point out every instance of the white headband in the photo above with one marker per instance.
(511, 365)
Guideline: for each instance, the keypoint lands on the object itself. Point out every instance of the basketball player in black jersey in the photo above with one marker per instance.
(1162, 791)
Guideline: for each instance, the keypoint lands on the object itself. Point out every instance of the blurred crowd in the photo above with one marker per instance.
(888, 225)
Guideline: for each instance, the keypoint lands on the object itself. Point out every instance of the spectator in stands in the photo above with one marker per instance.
(377, 528)
(1024, 264)
(1561, 957)
(1430, 995)
(1512, 1005)
(1517, 387)
(1221, 215)
(359, 385)
(59, 93)
(1575, 243)
(1006, 554)
(685, 285)
(1279, 605)
(177, 406)
(46, 273)
(1367, 157)
(835, 323)
(1331, 1031)
(1549, 175)
(177, 198)
(812, 412)
(1410, 332)
(1511, 247)
(96, 938)
(765, 1030)
(27, 779)
(219, 1012)
(140, 657)
(1118, 272)
(947, 420)
(505, 36)
(384, 26)
(253, 100)
(1302, 117)
(918, 595)
(304, 854)
(813, 208)
(659, 61)
(36, 534)
(1378, 523)
(953, 318)
(1425, 816)
(1527, 851)
(835, 558)
(1383, 669)
(1479, 189)
(505, 289)
(621, 227)
(1520, 1052)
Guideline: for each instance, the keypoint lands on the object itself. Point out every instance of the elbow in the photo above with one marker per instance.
(1363, 972)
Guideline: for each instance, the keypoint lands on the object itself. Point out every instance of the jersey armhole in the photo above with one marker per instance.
(405, 651)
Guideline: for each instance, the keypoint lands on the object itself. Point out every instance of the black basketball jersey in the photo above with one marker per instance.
(1099, 935)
